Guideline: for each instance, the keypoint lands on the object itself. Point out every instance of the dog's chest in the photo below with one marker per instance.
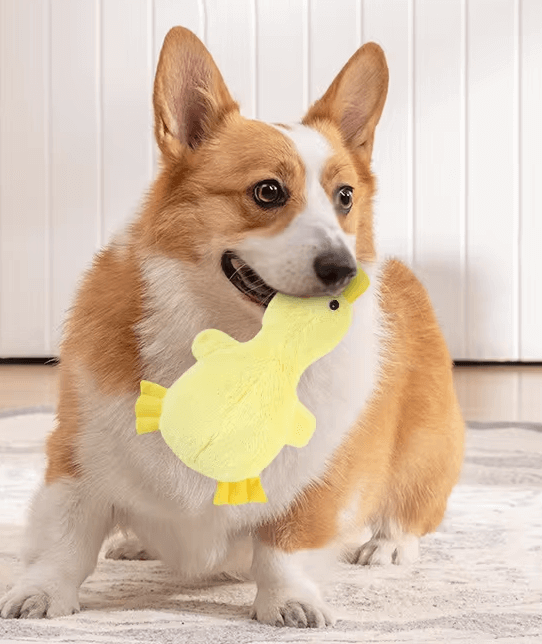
(335, 389)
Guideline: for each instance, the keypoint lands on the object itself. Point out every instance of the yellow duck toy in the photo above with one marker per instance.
(230, 414)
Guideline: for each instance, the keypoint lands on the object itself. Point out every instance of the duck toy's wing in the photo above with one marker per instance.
(211, 340)
(303, 426)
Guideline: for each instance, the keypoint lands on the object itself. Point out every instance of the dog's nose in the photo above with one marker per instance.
(335, 268)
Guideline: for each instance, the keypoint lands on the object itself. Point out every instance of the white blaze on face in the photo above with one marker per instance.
(286, 261)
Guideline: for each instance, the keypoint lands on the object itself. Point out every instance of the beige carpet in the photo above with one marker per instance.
(479, 578)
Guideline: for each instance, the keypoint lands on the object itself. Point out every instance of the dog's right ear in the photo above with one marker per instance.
(355, 99)
(190, 96)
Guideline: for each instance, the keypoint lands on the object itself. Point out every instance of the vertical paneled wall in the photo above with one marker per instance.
(458, 152)
(25, 179)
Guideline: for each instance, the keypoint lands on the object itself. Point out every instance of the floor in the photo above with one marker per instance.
(477, 580)
(500, 393)
(485, 393)
(27, 385)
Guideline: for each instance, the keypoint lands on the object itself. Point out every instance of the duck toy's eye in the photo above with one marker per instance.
(334, 305)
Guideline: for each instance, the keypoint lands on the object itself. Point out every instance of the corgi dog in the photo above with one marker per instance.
(239, 211)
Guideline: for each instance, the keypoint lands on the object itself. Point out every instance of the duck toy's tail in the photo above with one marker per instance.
(149, 407)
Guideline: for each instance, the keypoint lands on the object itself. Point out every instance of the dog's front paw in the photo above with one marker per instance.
(280, 610)
(35, 602)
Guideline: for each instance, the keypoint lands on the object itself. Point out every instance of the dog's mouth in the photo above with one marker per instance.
(246, 279)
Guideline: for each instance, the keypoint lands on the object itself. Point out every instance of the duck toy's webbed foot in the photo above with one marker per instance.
(240, 492)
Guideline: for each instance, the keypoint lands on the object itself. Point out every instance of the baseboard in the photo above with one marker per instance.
(497, 363)
(52, 360)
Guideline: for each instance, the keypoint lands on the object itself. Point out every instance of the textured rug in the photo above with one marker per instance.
(479, 577)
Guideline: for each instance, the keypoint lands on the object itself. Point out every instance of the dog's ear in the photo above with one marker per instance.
(190, 96)
(355, 99)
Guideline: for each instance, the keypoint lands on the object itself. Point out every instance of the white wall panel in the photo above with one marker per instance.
(387, 22)
(333, 37)
(230, 36)
(491, 240)
(438, 163)
(75, 149)
(458, 152)
(24, 198)
(170, 13)
(127, 135)
(282, 48)
(531, 181)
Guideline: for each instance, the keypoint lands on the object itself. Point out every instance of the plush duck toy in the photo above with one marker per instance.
(230, 414)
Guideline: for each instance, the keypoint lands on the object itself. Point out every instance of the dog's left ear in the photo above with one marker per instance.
(355, 99)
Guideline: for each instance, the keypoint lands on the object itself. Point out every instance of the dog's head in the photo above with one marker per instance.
(272, 207)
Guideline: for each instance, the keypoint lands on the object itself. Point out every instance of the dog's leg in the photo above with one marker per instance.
(286, 596)
(63, 538)
(126, 546)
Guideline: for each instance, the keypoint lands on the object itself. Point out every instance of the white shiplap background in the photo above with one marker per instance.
(458, 153)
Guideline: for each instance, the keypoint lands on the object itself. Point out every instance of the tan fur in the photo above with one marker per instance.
(100, 336)
(60, 446)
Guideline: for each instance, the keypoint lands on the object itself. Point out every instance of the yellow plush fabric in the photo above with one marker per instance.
(230, 414)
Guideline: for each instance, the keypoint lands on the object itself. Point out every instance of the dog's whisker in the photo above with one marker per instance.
(247, 280)
(237, 270)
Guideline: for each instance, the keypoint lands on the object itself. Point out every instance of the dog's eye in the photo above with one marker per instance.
(269, 194)
(344, 198)
(334, 305)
